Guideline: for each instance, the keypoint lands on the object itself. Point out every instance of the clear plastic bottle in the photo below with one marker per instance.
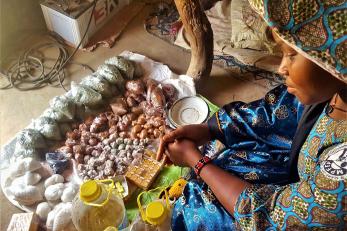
(98, 206)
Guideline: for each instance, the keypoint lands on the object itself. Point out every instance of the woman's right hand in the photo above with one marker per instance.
(198, 133)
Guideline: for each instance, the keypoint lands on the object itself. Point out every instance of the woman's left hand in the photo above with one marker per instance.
(183, 153)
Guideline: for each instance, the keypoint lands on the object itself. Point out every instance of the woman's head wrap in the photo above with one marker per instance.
(316, 29)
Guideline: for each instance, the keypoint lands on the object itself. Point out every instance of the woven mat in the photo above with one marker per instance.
(162, 23)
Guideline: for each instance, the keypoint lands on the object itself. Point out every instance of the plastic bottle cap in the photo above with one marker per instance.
(155, 213)
(90, 191)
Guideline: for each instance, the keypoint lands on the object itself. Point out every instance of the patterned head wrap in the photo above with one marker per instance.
(315, 28)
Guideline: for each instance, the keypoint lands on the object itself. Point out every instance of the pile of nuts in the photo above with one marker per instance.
(116, 155)
(105, 145)
(148, 127)
(102, 150)
(142, 109)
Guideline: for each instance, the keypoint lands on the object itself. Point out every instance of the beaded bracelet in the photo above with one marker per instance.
(201, 163)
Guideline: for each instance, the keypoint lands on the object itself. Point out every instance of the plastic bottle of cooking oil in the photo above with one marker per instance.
(98, 206)
(156, 216)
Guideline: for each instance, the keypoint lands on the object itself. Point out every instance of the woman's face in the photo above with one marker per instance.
(304, 79)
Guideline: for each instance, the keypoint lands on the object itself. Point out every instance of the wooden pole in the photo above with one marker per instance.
(200, 36)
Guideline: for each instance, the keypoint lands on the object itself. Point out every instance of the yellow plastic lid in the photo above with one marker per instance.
(90, 191)
(155, 213)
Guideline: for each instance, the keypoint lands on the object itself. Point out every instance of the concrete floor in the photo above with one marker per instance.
(18, 108)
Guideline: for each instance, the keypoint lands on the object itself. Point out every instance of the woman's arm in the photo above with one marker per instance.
(225, 186)
(198, 133)
(267, 124)
(316, 201)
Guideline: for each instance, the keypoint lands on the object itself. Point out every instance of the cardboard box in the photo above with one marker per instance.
(72, 26)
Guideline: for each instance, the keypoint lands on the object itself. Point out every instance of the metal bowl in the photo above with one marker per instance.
(188, 110)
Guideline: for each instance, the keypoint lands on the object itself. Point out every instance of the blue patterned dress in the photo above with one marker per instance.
(258, 137)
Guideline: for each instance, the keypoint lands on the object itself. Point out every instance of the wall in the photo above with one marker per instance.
(18, 19)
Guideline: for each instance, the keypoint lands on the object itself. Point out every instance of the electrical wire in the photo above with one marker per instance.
(30, 71)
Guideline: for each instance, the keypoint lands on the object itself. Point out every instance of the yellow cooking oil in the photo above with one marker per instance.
(98, 206)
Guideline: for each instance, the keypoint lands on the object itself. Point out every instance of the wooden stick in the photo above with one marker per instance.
(200, 37)
(164, 159)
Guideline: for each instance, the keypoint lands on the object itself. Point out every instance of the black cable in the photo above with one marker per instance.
(30, 69)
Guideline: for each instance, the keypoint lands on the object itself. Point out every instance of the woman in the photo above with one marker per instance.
(284, 165)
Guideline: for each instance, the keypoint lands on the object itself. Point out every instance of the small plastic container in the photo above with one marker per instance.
(98, 206)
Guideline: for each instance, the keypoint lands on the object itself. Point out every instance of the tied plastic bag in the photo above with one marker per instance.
(125, 66)
(112, 75)
(48, 127)
(55, 115)
(60, 217)
(85, 95)
(20, 167)
(57, 161)
(27, 143)
(64, 105)
(29, 178)
(25, 194)
(100, 85)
